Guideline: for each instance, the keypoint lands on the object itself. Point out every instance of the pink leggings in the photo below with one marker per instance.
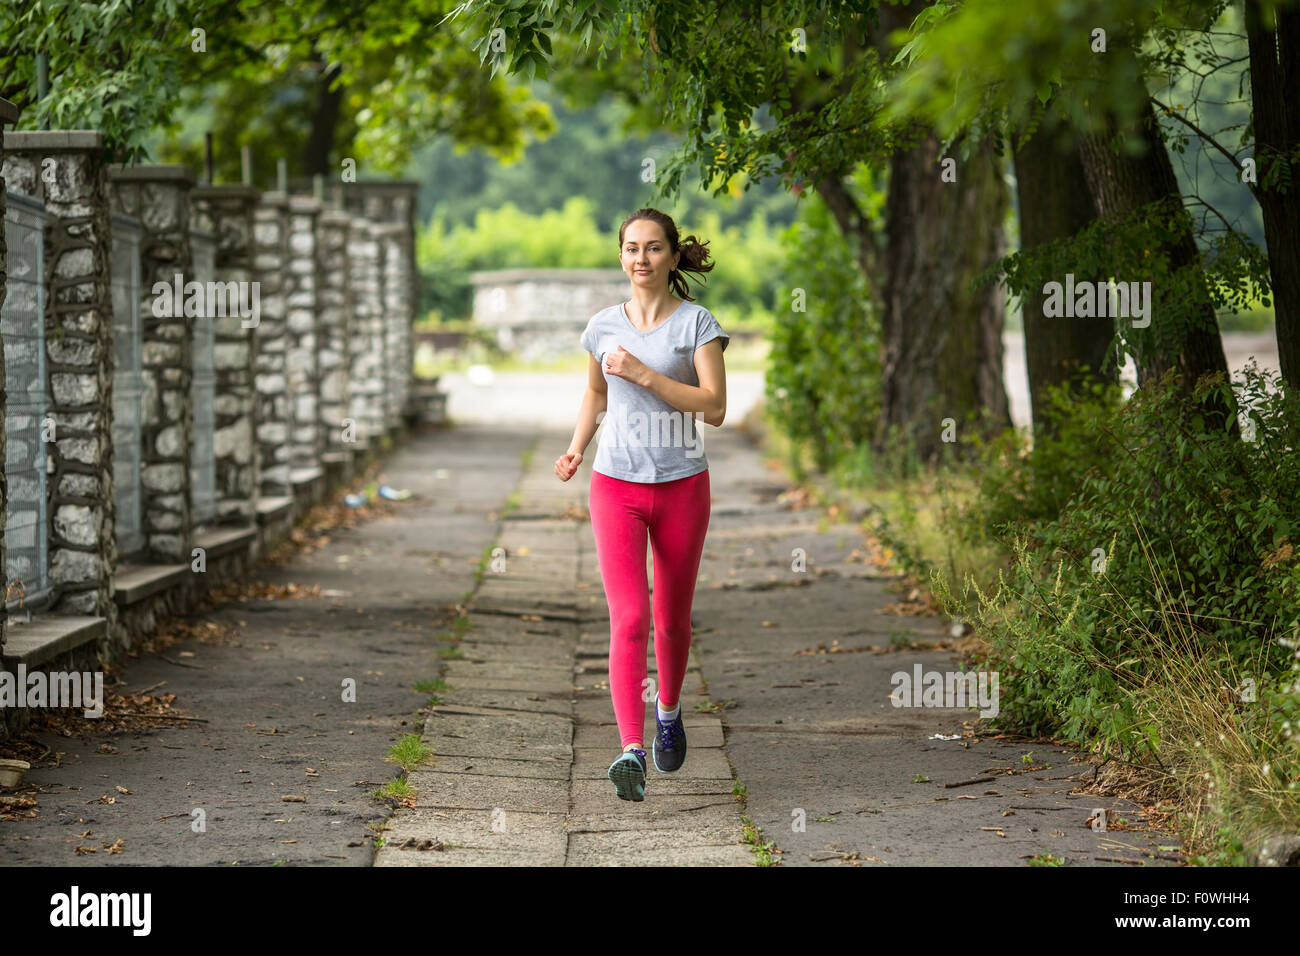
(675, 516)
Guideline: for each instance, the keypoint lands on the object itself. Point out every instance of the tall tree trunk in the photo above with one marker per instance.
(853, 226)
(1275, 92)
(1055, 204)
(324, 122)
(942, 342)
(1184, 331)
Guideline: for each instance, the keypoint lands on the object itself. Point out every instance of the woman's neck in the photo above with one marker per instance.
(653, 307)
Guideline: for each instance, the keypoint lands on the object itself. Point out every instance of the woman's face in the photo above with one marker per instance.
(645, 256)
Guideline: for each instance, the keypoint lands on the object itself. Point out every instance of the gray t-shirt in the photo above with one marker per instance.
(644, 438)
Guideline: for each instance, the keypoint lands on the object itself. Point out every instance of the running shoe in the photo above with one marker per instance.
(628, 774)
(670, 744)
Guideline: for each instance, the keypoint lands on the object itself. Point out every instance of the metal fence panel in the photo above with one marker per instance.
(22, 325)
(128, 383)
(203, 466)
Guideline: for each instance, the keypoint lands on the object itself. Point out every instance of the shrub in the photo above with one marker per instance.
(1171, 525)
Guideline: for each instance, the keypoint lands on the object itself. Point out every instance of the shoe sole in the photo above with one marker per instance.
(629, 779)
(655, 754)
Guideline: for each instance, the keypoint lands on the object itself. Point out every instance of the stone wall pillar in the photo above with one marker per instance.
(270, 248)
(366, 371)
(393, 203)
(303, 280)
(395, 316)
(404, 201)
(158, 196)
(8, 116)
(335, 328)
(66, 170)
(227, 213)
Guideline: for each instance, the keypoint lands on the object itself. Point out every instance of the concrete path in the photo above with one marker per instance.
(806, 743)
(830, 769)
(525, 734)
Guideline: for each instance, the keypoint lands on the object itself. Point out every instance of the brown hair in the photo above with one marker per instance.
(695, 257)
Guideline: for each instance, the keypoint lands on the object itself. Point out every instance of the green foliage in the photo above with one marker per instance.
(823, 381)
(739, 290)
(1232, 273)
(754, 104)
(112, 66)
(1018, 485)
(259, 78)
(996, 61)
(1197, 526)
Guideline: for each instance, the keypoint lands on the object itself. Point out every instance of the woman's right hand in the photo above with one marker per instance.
(566, 466)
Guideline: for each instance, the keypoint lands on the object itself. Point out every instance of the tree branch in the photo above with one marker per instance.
(1207, 137)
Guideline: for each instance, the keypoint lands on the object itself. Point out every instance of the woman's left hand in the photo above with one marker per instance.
(626, 366)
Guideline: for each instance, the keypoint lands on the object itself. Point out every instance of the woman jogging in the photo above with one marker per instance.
(656, 363)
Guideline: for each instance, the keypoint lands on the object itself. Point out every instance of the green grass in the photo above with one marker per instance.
(762, 849)
(394, 790)
(451, 653)
(900, 637)
(713, 707)
(431, 686)
(1045, 859)
(483, 563)
(409, 752)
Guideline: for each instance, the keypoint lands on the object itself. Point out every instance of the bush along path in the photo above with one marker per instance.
(521, 731)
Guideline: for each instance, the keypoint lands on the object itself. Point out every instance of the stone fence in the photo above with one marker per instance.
(540, 313)
(186, 369)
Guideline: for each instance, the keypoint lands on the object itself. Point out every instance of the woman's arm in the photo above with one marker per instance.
(594, 401)
(708, 398)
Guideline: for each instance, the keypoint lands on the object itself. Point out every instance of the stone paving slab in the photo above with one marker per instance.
(699, 737)
(537, 685)
(494, 726)
(483, 652)
(696, 846)
(662, 790)
(537, 767)
(474, 791)
(494, 830)
(546, 850)
(708, 764)
(506, 701)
